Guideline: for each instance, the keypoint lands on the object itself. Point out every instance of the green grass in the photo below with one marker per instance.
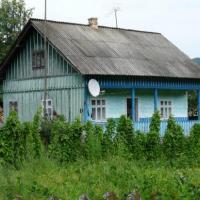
(41, 179)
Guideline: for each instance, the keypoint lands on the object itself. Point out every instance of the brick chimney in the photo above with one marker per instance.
(93, 22)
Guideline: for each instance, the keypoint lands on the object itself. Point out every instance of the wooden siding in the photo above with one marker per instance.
(26, 85)
(21, 66)
(67, 93)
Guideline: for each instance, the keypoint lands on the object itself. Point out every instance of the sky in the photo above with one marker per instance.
(178, 20)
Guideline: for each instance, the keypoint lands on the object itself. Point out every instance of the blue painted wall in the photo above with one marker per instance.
(116, 102)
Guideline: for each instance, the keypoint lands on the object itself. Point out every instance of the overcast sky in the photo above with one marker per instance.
(178, 20)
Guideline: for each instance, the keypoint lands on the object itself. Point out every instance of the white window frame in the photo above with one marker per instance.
(167, 108)
(96, 107)
(50, 116)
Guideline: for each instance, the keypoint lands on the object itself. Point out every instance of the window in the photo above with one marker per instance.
(38, 59)
(165, 109)
(49, 108)
(98, 109)
(13, 106)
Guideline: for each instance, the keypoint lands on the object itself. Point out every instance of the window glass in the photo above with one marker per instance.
(93, 102)
(170, 111)
(38, 59)
(49, 108)
(13, 106)
(98, 109)
(93, 114)
(104, 113)
(161, 112)
(165, 112)
(165, 109)
(98, 102)
(49, 102)
(98, 113)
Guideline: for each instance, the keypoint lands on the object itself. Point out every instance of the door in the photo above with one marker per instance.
(129, 108)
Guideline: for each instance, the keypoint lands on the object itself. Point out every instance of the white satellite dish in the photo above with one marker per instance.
(93, 87)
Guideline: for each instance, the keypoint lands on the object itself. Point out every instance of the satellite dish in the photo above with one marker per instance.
(94, 88)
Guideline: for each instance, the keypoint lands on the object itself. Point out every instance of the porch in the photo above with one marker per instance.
(176, 103)
(143, 126)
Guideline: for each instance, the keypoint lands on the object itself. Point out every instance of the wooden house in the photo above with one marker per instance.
(138, 72)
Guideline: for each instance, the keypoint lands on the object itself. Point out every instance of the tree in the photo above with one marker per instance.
(13, 17)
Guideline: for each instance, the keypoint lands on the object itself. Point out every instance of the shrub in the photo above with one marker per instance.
(108, 137)
(153, 138)
(173, 141)
(155, 123)
(66, 141)
(140, 145)
(13, 141)
(125, 133)
(194, 142)
(35, 133)
(152, 146)
(26, 130)
(45, 132)
(93, 141)
(58, 148)
(75, 139)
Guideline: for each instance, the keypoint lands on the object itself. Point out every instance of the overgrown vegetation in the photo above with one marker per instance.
(45, 159)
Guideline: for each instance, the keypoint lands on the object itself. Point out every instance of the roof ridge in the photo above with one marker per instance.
(101, 26)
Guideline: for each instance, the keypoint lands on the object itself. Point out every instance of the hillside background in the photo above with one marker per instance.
(197, 60)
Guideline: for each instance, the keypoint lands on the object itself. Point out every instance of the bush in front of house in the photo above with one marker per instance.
(15, 142)
(108, 138)
(74, 141)
(35, 135)
(93, 141)
(194, 142)
(125, 134)
(155, 123)
(153, 138)
(140, 146)
(59, 146)
(174, 140)
(65, 145)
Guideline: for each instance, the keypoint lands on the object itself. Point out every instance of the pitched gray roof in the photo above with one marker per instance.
(111, 51)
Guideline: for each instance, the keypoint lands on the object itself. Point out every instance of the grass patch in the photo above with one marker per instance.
(43, 178)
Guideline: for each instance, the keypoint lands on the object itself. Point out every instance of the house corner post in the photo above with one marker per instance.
(155, 100)
(133, 104)
(198, 103)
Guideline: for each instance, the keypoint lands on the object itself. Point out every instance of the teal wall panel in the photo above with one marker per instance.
(29, 102)
(116, 102)
(67, 93)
